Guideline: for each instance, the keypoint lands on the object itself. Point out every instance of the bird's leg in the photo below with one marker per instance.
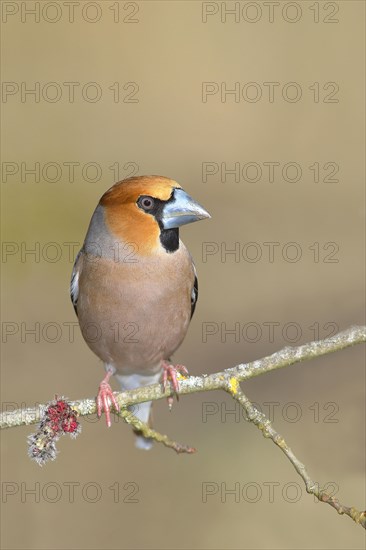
(106, 397)
(170, 373)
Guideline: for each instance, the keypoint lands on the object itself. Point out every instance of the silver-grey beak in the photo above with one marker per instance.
(182, 209)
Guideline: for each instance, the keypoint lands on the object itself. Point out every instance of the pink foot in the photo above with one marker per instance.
(106, 398)
(170, 373)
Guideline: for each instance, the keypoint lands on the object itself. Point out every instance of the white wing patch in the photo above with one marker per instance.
(193, 296)
(74, 284)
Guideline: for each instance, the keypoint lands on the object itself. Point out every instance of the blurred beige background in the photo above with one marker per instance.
(168, 53)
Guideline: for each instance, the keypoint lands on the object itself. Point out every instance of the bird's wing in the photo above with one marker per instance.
(194, 294)
(74, 283)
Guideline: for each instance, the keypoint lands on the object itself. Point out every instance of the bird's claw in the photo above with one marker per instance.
(170, 373)
(105, 400)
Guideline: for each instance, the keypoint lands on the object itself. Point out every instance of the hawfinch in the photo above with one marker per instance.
(134, 285)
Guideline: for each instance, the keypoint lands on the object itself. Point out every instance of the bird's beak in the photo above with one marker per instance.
(182, 209)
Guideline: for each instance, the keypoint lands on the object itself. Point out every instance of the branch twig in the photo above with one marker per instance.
(265, 426)
(148, 432)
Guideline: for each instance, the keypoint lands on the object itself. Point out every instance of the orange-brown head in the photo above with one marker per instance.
(147, 211)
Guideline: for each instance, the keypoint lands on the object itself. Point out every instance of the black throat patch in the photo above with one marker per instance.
(169, 238)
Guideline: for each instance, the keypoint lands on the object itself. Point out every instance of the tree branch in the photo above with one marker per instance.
(227, 380)
(284, 358)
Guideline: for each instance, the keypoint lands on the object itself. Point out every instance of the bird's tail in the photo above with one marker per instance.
(142, 410)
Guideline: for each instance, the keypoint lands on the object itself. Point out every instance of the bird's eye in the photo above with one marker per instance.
(147, 203)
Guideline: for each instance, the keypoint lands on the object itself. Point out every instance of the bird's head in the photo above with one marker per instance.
(148, 210)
